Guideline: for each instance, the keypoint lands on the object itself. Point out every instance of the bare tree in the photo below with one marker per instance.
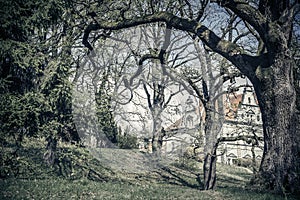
(157, 59)
(269, 70)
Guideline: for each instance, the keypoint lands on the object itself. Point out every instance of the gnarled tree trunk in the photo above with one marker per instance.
(277, 99)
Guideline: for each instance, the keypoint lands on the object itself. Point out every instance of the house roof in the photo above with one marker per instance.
(231, 104)
(175, 125)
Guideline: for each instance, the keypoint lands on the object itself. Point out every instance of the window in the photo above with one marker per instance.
(189, 121)
(249, 100)
(258, 117)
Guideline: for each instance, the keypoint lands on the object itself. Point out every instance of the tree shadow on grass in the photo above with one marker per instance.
(178, 178)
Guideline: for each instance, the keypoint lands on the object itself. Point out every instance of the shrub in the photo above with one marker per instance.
(127, 141)
(243, 162)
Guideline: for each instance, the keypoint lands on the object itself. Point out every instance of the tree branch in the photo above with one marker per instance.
(247, 64)
(148, 96)
(239, 137)
(248, 13)
(140, 66)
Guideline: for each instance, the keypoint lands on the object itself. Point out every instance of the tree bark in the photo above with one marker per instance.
(209, 169)
(156, 130)
(50, 154)
(213, 124)
(277, 99)
(209, 164)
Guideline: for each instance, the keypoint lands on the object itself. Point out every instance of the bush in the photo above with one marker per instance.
(127, 141)
(243, 162)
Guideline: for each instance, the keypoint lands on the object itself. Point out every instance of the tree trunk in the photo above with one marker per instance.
(212, 128)
(156, 130)
(209, 169)
(276, 94)
(50, 154)
(254, 165)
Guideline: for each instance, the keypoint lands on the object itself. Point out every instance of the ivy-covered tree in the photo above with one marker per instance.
(104, 110)
(36, 39)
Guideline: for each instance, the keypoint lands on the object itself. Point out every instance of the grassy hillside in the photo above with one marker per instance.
(116, 174)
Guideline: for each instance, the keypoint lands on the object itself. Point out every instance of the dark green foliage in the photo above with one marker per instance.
(22, 115)
(71, 162)
(35, 69)
(106, 119)
(20, 19)
(127, 141)
(35, 92)
(21, 161)
(9, 165)
(105, 112)
(58, 90)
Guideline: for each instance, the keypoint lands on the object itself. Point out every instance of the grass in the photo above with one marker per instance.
(166, 182)
(86, 189)
(57, 188)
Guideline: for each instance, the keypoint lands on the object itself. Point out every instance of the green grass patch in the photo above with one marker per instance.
(78, 175)
(86, 189)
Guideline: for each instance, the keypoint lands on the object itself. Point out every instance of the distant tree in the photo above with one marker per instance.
(163, 60)
(208, 88)
(150, 79)
(105, 111)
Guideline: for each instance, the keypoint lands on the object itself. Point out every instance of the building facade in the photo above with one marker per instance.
(242, 120)
(184, 132)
